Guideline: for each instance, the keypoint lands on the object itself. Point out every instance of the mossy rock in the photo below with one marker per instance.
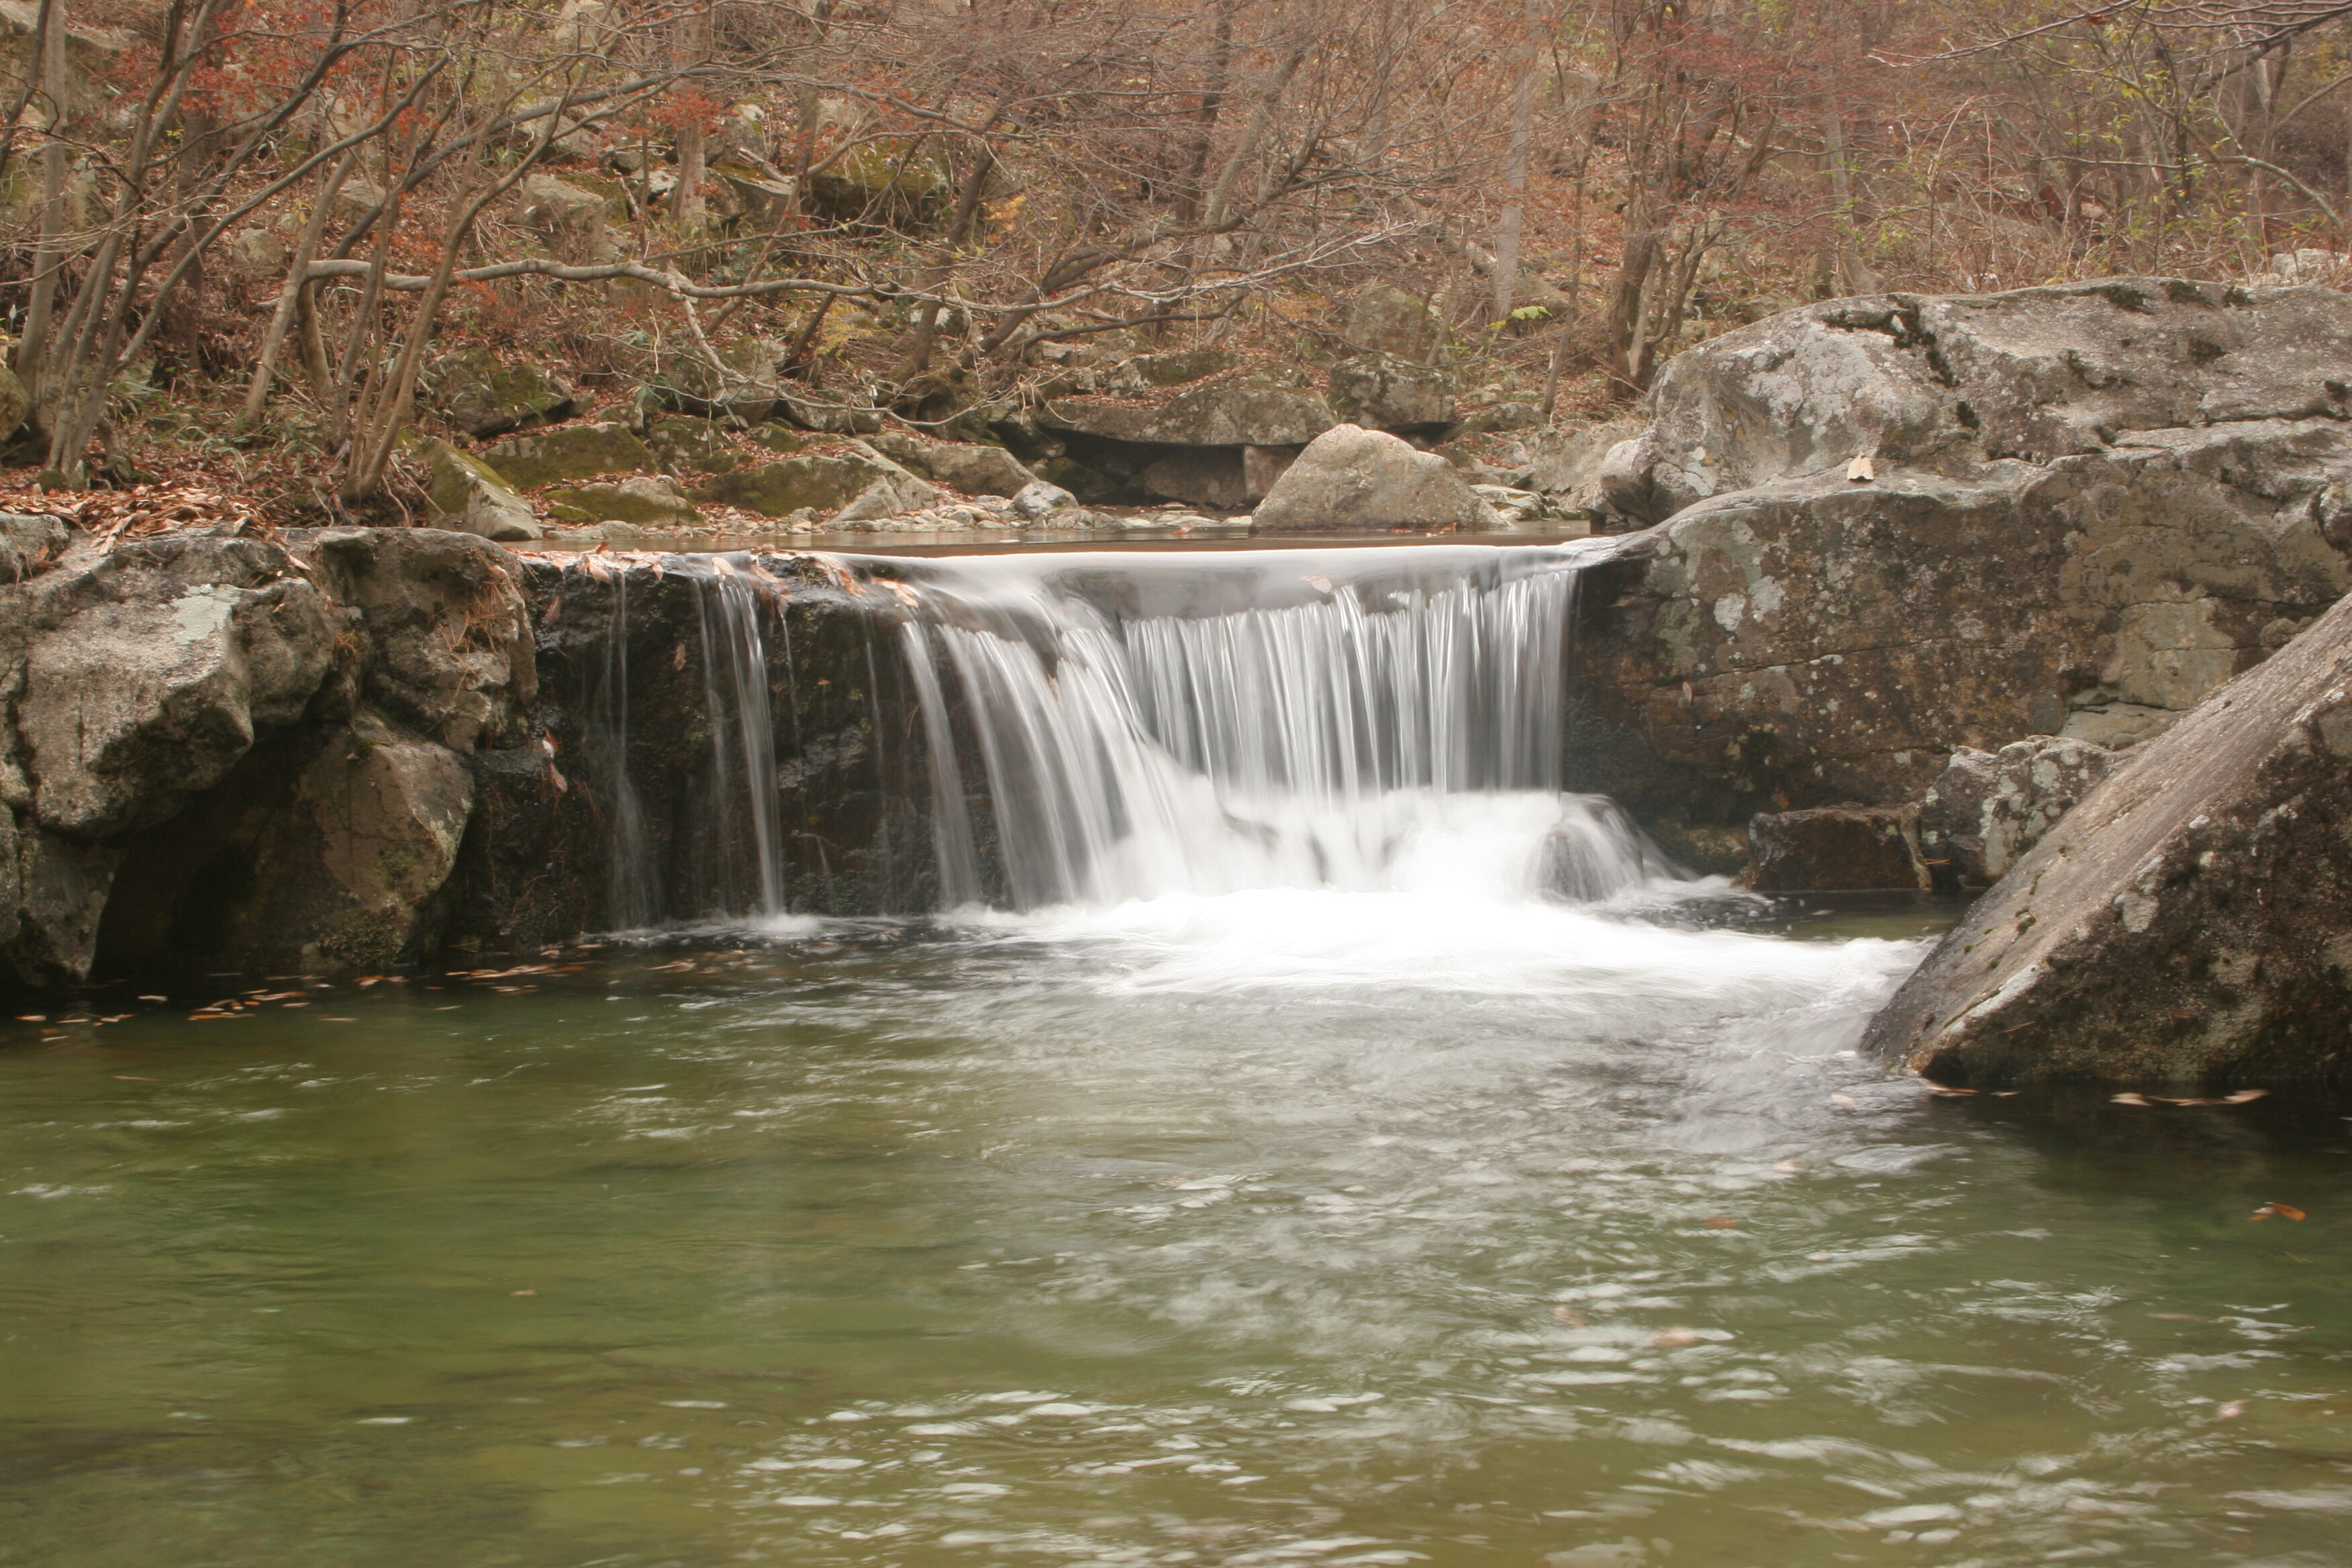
(690, 446)
(472, 497)
(822, 482)
(652, 499)
(14, 404)
(482, 395)
(779, 438)
(575, 452)
(748, 390)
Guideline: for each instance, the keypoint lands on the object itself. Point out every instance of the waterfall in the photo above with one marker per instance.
(1362, 720)
(743, 727)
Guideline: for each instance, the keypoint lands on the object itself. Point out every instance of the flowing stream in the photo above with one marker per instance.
(1307, 1136)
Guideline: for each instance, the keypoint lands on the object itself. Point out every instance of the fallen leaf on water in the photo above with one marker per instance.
(1720, 1222)
(154, 998)
(1842, 1100)
(130, 1078)
(523, 1292)
(1790, 1165)
(2285, 1211)
(2231, 1410)
(2243, 1096)
(32, 1017)
(1675, 1339)
(1320, 585)
(1943, 1089)
(1571, 1316)
(2129, 1098)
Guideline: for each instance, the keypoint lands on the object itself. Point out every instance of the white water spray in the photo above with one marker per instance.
(1360, 721)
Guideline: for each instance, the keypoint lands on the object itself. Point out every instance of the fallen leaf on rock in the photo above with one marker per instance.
(1842, 1100)
(2283, 1211)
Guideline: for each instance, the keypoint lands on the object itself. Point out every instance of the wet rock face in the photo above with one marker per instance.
(328, 854)
(2088, 508)
(630, 805)
(1988, 808)
(2185, 925)
(1837, 848)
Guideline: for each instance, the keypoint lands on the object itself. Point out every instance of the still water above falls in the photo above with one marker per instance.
(1311, 1138)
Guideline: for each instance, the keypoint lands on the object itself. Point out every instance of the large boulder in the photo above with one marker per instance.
(483, 394)
(1382, 392)
(573, 452)
(743, 384)
(1987, 808)
(2189, 923)
(1353, 480)
(471, 496)
(327, 856)
(1903, 526)
(651, 500)
(968, 467)
(148, 673)
(442, 634)
(822, 482)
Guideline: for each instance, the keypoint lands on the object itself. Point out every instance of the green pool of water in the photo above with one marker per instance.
(1247, 1231)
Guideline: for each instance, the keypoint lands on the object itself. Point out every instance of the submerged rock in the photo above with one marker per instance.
(1350, 479)
(1837, 848)
(2190, 922)
(1988, 808)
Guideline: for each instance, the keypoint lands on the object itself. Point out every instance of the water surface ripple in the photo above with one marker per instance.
(1281, 1226)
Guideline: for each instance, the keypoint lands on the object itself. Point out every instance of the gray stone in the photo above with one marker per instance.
(1382, 392)
(1262, 466)
(647, 499)
(1386, 320)
(1987, 808)
(1566, 464)
(484, 395)
(824, 481)
(150, 672)
(1350, 479)
(1837, 848)
(469, 496)
(2189, 923)
(1231, 412)
(688, 445)
(443, 634)
(61, 888)
(29, 544)
(745, 384)
(2002, 570)
(970, 468)
(1039, 500)
(574, 452)
(1200, 476)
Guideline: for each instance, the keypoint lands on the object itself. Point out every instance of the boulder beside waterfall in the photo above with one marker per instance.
(2189, 923)
(1351, 479)
(2083, 509)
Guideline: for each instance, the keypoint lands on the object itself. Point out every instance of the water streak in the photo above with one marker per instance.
(742, 726)
(1209, 725)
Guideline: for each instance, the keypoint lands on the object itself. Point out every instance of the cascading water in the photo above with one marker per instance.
(1363, 720)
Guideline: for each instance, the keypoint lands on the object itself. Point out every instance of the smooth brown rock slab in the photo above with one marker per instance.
(2190, 922)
